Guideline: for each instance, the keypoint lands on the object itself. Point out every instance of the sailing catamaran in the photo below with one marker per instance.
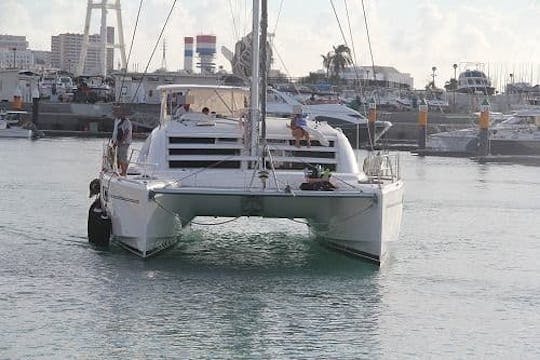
(235, 163)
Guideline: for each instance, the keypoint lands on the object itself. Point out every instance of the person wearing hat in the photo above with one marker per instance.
(299, 126)
(121, 138)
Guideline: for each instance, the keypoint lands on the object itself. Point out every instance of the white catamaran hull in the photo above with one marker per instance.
(146, 217)
(15, 132)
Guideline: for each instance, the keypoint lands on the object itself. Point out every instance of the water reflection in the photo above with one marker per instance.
(229, 293)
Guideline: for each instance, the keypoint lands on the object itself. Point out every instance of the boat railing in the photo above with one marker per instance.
(382, 167)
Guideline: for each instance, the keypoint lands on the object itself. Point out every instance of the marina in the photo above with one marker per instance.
(265, 179)
(463, 273)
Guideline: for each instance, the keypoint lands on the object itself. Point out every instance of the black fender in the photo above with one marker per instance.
(99, 225)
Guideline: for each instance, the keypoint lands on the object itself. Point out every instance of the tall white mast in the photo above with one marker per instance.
(254, 111)
(104, 6)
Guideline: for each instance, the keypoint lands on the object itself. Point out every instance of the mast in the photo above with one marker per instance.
(264, 67)
(254, 113)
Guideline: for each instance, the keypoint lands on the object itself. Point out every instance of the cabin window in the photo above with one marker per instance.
(204, 151)
(186, 140)
(177, 164)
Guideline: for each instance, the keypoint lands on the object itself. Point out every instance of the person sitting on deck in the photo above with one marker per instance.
(299, 126)
(181, 110)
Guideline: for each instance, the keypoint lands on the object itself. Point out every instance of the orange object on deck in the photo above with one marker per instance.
(17, 103)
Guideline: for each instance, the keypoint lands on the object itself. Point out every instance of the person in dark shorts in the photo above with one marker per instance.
(122, 136)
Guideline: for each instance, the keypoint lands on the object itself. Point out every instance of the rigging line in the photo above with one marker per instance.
(289, 75)
(339, 23)
(369, 40)
(352, 45)
(131, 46)
(235, 29)
(371, 136)
(278, 15)
(155, 48)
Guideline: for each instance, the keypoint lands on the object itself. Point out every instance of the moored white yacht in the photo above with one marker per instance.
(517, 135)
(474, 81)
(10, 125)
(231, 165)
(512, 134)
(353, 124)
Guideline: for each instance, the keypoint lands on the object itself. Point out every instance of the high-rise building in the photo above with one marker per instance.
(66, 50)
(14, 52)
(13, 58)
(13, 42)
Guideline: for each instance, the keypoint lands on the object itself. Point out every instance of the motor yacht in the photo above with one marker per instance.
(509, 134)
(473, 82)
(353, 124)
(11, 125)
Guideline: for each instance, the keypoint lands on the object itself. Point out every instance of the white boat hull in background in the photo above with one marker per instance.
(14, 132)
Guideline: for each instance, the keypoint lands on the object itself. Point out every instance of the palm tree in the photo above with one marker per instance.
(342, 58)
(327, 62)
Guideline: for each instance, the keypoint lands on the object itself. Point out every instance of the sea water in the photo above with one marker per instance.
(463, 281)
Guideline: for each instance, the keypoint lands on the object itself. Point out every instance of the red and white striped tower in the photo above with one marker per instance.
(188, 54)
(206, 48)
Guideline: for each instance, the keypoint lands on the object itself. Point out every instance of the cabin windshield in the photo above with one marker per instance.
(223, 101)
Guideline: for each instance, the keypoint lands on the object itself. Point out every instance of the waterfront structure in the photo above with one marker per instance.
(14, 82)
(136, 88)
(106, 45)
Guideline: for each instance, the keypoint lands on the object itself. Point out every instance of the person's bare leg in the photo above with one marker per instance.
(123, 168)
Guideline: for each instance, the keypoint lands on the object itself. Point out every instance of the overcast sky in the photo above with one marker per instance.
(410, 35)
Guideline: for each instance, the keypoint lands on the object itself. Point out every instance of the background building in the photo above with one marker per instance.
(386, 76)
(14, 52)
(66, 50)
(42, 59)
(13, 41)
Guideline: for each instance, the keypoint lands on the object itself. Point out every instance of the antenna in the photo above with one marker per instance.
(106, 39)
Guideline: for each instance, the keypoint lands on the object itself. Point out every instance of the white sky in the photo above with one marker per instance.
(411, 35)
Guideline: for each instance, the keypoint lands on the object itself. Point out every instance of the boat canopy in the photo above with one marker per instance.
(223, 100)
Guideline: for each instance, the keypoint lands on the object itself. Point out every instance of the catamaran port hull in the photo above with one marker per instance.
(147, 217)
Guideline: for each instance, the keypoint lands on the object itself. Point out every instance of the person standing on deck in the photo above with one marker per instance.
(121, 138)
